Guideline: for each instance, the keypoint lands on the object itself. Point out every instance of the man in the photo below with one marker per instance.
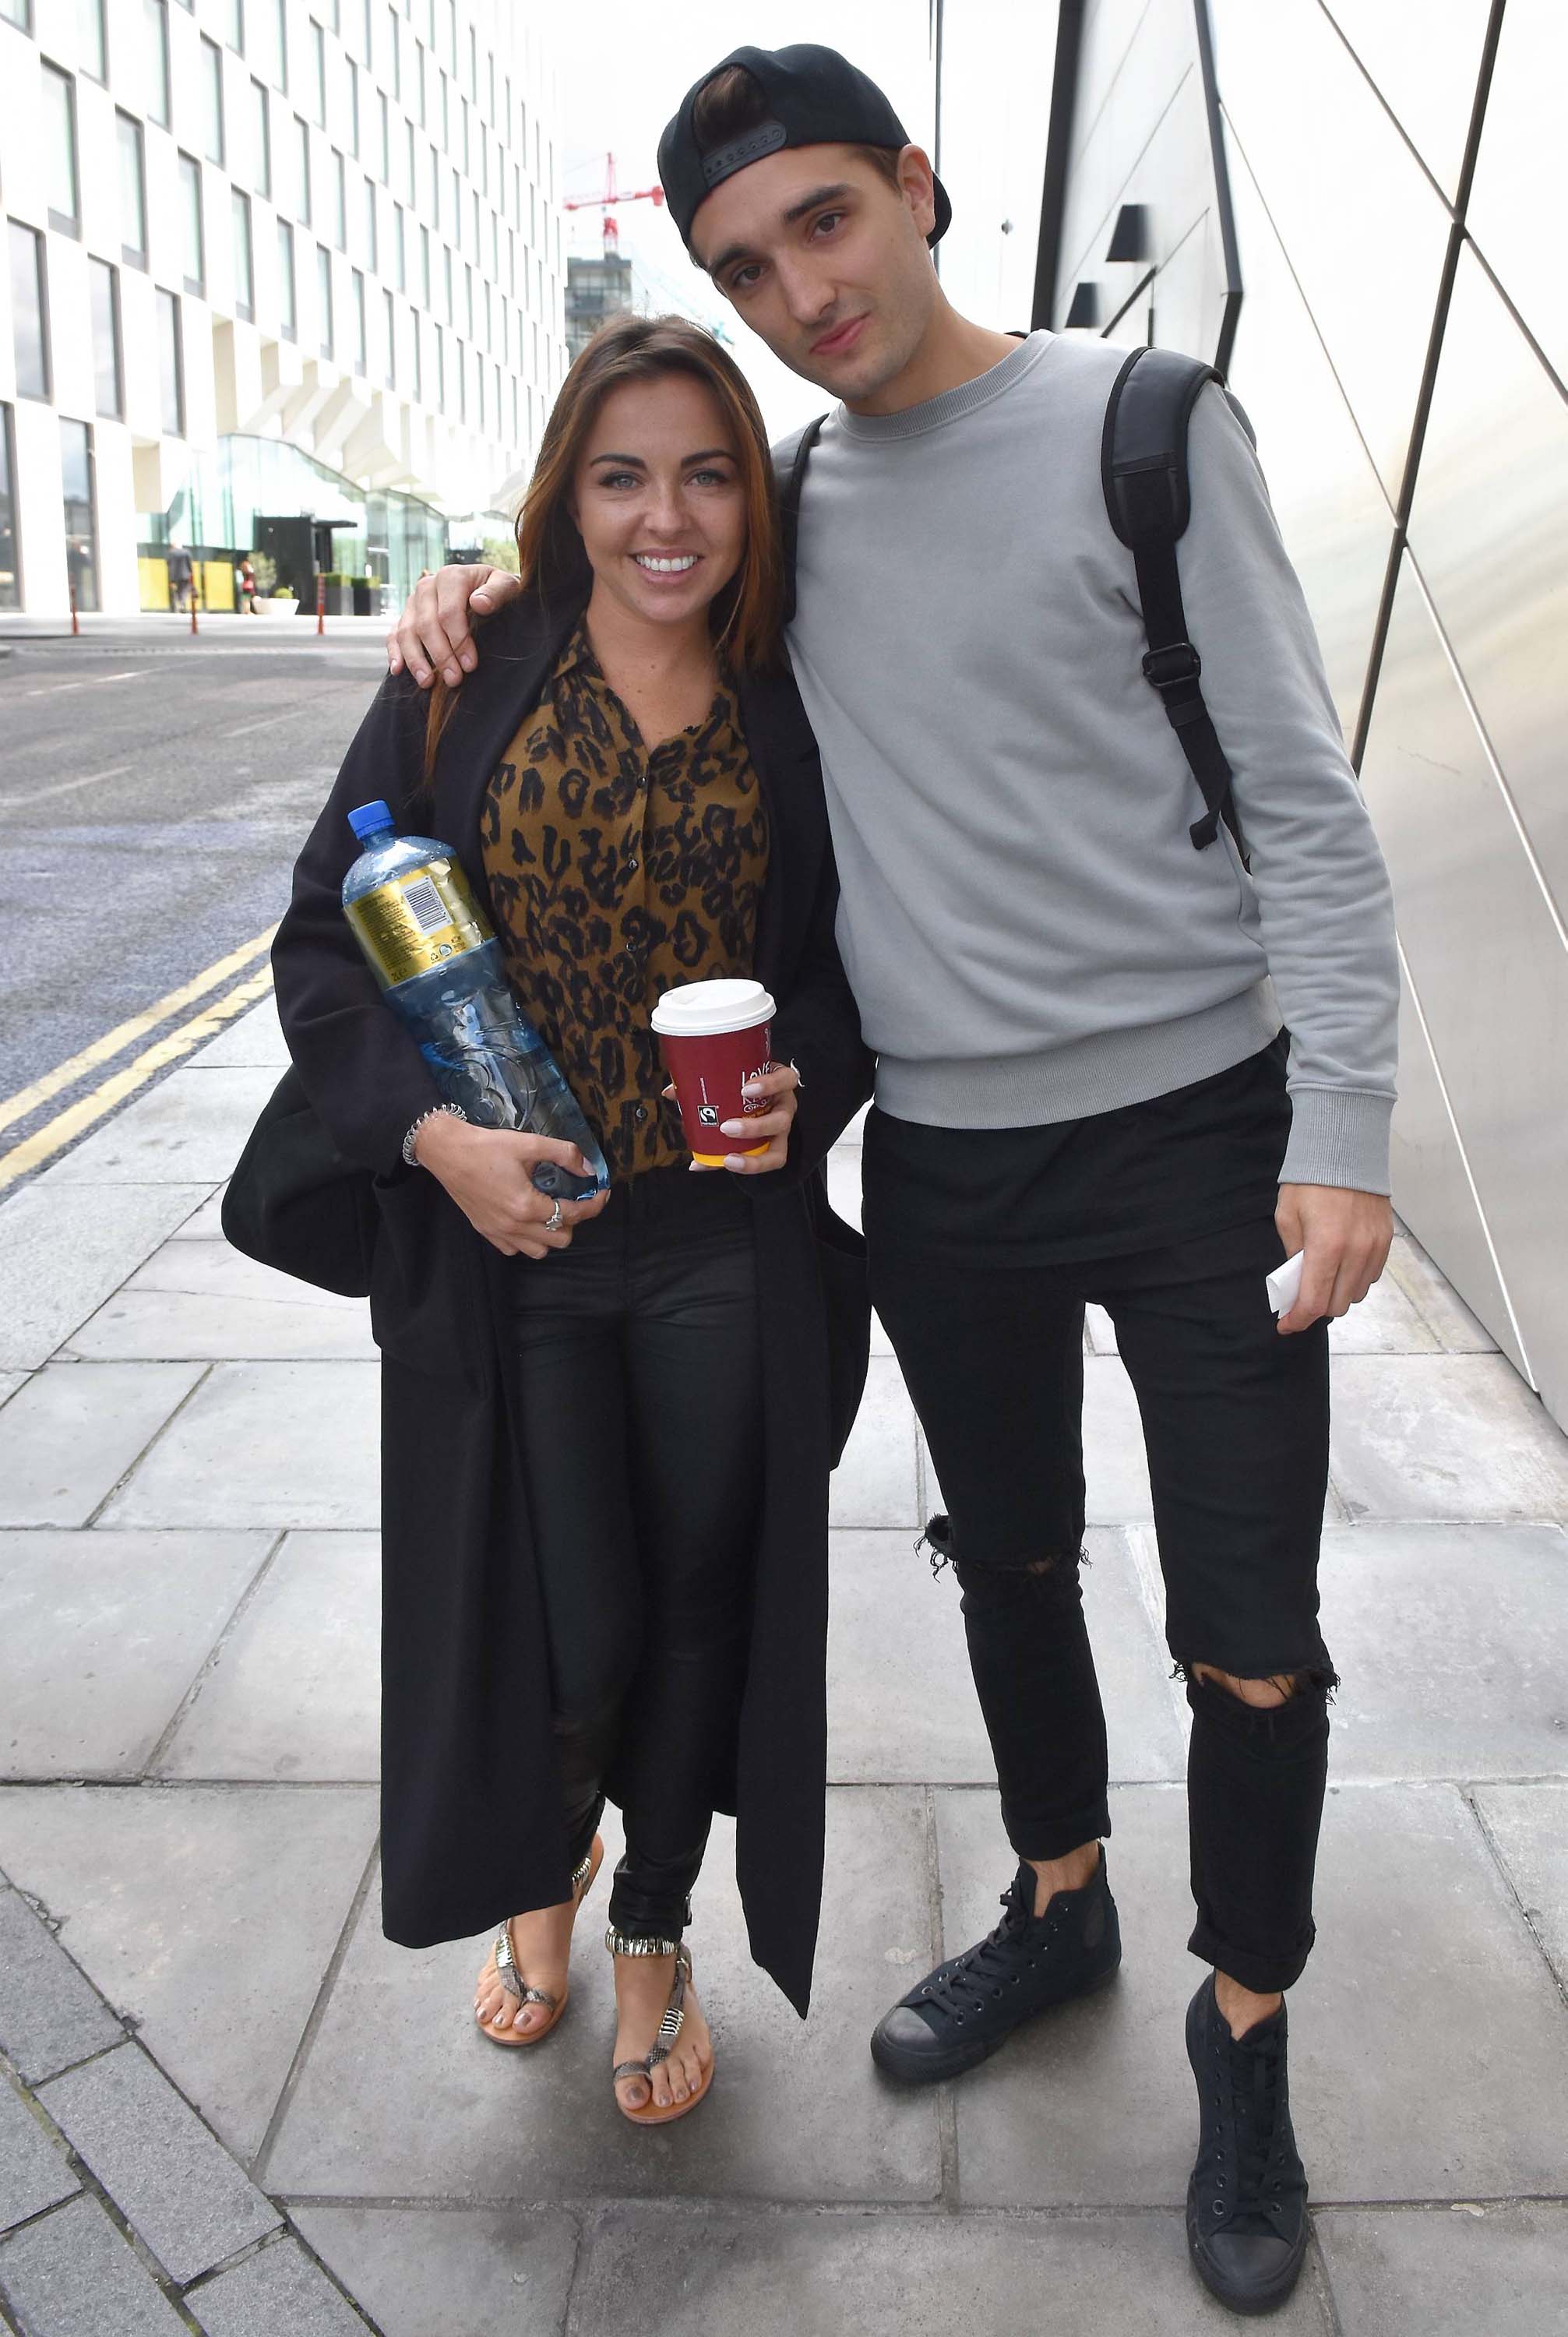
(1083, 1089)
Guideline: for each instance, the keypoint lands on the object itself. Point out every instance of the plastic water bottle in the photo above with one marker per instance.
(428, 945)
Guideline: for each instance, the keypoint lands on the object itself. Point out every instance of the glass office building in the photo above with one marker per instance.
(283, 275)
(1350, 214)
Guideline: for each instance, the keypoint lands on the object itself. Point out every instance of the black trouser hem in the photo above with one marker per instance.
(1264, 1975)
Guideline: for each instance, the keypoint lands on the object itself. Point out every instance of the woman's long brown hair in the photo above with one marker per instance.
(747, 616)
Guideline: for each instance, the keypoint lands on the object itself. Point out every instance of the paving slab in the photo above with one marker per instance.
(9, 1384)
(272, 1445)
(1452, 1646)
(101, 1635)
(1422, 1967)
(1529, 1825)
(65, 1248)
(1473, 2270)
(901, 1703)
(208, 1914)
(187, 1130)
(402, 2098)
(1446, 1437)
(1456, 1330)
(34, 2172)
(70, 1437)
(436, 2272)
(277, 2289)
(205, 1224)
(800, 2274)
(202, 1299)
(252, 1040)
(295, 1689)
(49, 2014)
(875, 1482)
(75, 2275)
(176, 2186)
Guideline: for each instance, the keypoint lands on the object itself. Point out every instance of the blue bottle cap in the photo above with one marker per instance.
(370, 819)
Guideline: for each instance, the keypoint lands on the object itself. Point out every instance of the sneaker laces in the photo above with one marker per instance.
(1250, 2075)
(958, 1988)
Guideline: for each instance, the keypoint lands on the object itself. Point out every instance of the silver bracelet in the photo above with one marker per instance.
(451, 1111)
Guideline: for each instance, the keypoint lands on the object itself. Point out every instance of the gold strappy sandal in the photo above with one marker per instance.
(511, 1978)
(674, 2019)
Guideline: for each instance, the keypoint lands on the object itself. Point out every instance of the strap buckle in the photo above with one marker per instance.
(1171, 667)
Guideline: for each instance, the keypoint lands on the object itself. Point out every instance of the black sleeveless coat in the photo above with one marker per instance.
(465, 1687)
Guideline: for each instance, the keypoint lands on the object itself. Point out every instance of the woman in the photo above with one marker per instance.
(607, 1426)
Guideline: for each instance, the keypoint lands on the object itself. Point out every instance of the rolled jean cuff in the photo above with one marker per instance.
(1263, 1974)
(1054, 1837)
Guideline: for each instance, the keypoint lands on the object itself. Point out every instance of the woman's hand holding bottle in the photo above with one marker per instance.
(487, 1172)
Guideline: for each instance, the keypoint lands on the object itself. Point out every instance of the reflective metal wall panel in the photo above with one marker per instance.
(1489, 968)
(994, 126)
(1336, 521)
(1364, 226)
(1118, 124)
(1515, 207)
(1424, 56)
(1488, 527)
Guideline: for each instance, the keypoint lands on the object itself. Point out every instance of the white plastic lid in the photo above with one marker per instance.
(700, 1009)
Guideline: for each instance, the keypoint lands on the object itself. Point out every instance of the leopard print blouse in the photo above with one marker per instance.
(616, 875)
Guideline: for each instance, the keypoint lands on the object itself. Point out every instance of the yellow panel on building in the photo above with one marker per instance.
(154, 576)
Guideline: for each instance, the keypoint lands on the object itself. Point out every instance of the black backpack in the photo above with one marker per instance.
(1143, 473)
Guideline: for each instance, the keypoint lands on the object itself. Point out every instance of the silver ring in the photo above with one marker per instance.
(552, 1222)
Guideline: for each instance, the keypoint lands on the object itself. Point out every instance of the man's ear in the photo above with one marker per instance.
(918, 183)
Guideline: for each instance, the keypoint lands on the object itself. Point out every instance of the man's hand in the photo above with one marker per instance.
(1346, 1237)
(486, 1172)
(432, 636)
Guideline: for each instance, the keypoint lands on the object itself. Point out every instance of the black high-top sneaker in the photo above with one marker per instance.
(1247, 2201)
(958, 2015)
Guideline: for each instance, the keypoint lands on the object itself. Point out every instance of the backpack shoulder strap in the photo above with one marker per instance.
(789, 460)
(1143, 472)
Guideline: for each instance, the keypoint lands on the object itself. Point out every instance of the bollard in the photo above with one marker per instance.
(70, 587)
(320, 604)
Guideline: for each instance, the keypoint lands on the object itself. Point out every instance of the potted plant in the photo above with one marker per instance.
(340, 593)
(278, 602)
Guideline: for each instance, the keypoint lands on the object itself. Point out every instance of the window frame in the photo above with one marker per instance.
(97, 270)
(40, 280)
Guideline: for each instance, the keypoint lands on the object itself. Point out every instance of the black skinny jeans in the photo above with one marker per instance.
(1236, 1426)
(641, 1427)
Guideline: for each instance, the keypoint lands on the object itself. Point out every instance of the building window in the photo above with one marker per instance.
(234, 26)
(400, 247)
(384, 137)
(440, 370)
(358, 282)
(353, 107)
(132, 192)
(192, 238)
(324, 296)
(419, 90)
(260, 141)
(391, 317)
(244, 257)
(418, 361)
(10, 570)
(212, 98)
(170, 367)
(156, 19)
(302, 171)
(318, 74)
(372, 241)
(29, 311)
(80, 529)
(447, 270)
(339, 202)
(108, 360)
(288, 310)
(61, 188)
(395, 53)
(425, 270)
(92, 39)
(269, 49)
(18, 13)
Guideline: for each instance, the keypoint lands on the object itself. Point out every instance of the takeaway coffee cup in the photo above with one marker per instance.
(713, 1035)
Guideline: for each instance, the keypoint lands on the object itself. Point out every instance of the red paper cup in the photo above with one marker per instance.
(713, 1035)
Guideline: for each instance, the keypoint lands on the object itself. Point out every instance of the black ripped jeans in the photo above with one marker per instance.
(641, 1425)
(1236, 1426)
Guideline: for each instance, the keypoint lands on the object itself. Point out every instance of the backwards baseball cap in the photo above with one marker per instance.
(814, 97)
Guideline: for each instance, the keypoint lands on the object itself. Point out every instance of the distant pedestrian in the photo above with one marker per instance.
(180, 577)
(607, 1425)
(1083, 1090)
(247, 575)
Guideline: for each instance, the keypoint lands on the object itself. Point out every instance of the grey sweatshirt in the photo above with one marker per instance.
(1028, 930)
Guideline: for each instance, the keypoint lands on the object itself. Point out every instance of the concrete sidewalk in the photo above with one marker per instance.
(229, 2106)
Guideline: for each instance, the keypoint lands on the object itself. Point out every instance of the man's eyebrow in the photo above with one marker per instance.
(796, 212)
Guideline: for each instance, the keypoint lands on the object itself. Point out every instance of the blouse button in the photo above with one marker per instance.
(641, 1114)
(632, 867)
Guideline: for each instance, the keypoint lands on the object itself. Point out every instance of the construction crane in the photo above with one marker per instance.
(606, 200)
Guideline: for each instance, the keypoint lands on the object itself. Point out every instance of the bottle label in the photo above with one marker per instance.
(417, 920)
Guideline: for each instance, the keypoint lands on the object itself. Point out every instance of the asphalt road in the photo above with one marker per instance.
(155, 790)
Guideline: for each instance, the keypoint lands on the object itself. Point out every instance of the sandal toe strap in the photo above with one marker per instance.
(510, 1978)
(669, 2025)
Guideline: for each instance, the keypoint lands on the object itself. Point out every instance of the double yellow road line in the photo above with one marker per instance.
(205, 1023)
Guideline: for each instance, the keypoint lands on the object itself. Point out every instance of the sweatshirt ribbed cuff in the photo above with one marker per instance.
(1338, 1136)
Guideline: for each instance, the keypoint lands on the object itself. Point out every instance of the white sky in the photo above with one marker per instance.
(626, 65)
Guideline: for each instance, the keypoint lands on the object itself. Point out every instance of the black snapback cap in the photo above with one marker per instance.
(815, 98)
